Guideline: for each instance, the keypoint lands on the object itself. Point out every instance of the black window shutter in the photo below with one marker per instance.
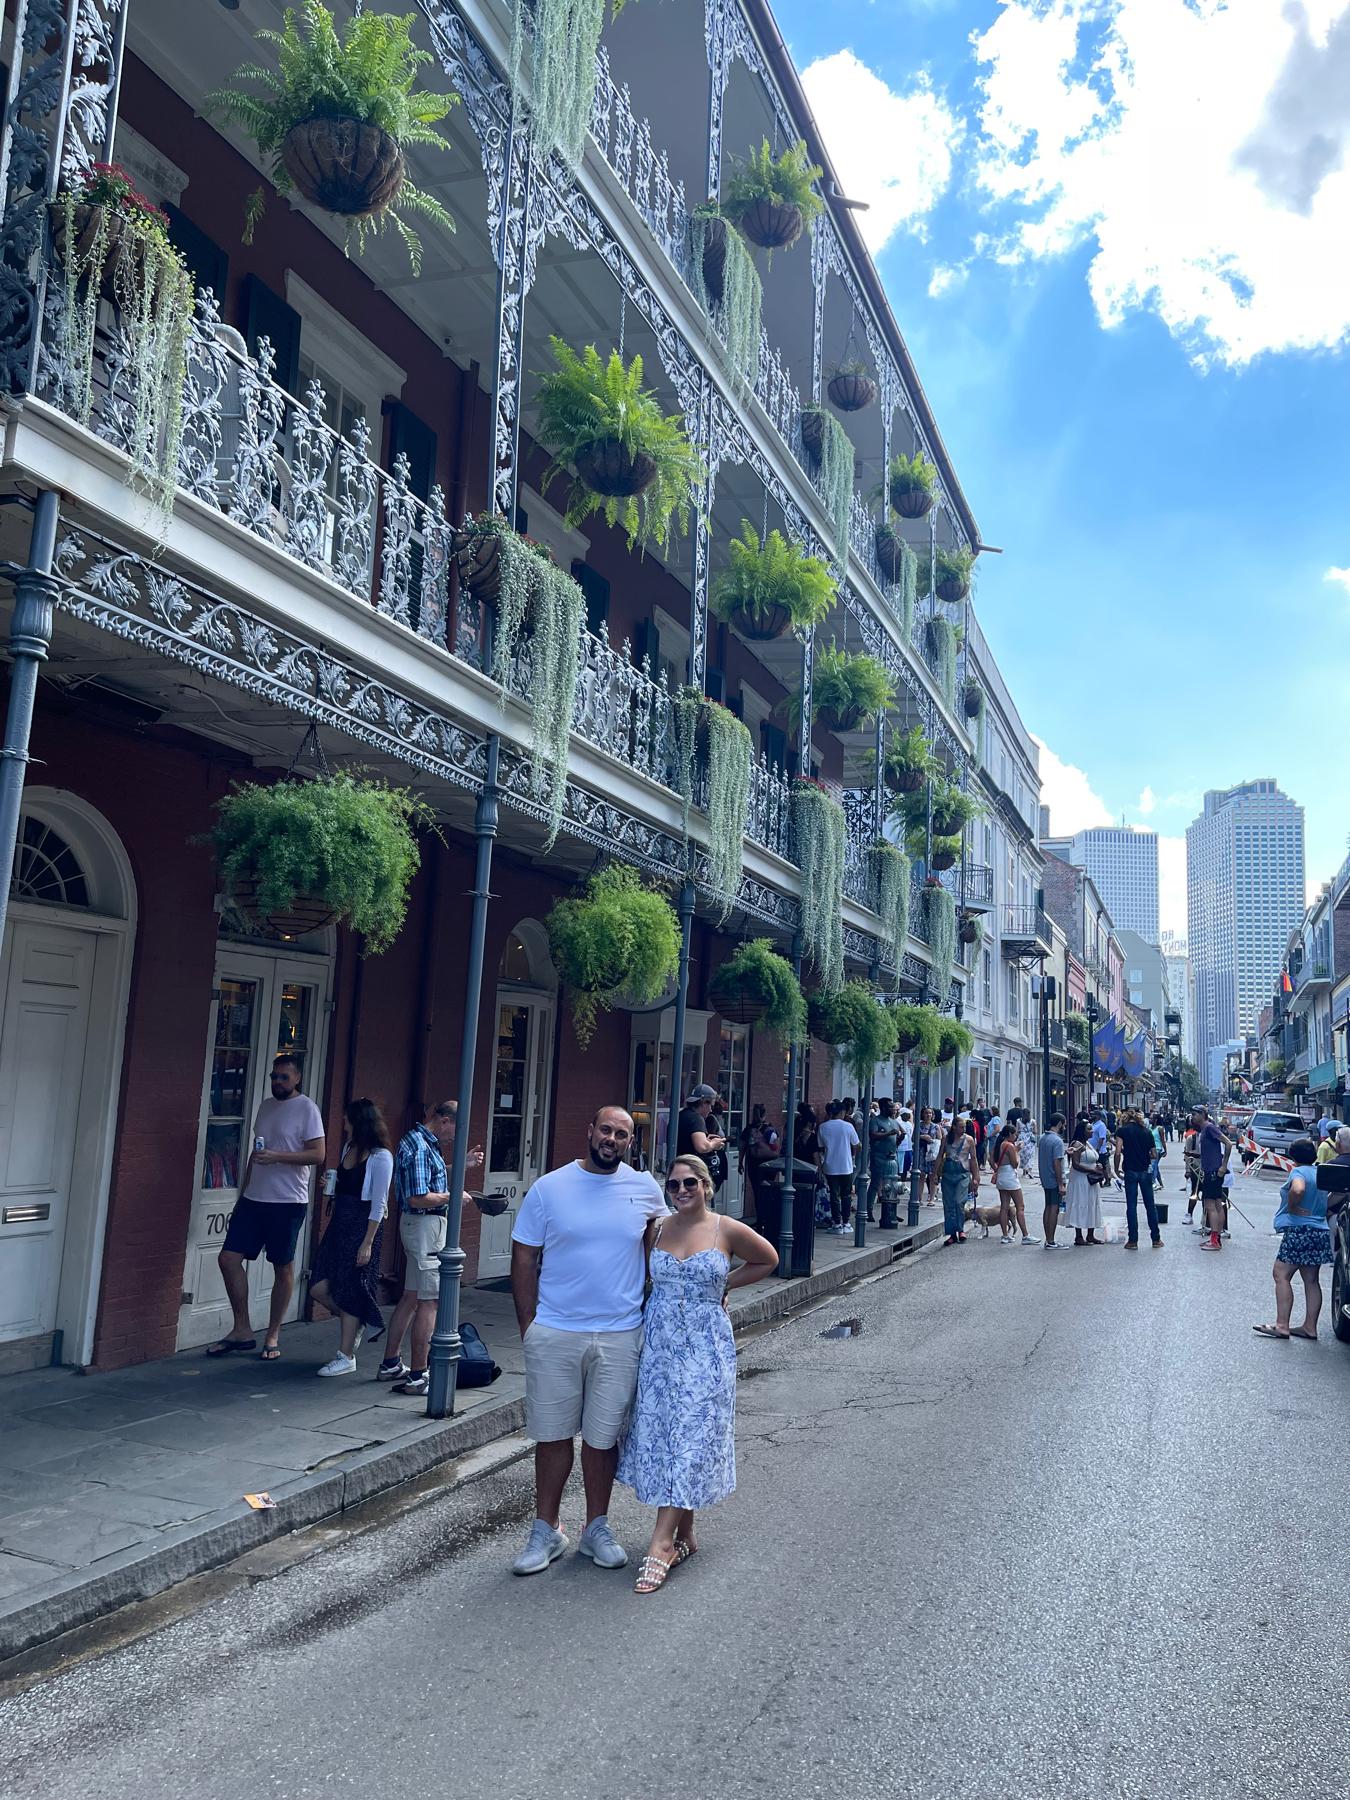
(266, 314)
(410, 437)
(207, 263)
(773, 742)
(715, 685)
(647, 642)
(595, 590)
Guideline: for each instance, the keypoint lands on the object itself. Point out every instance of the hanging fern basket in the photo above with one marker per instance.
(970, 930)
(813, 433)
(851, 392)
(970, 701)
(890, 552)
(911, 502)
(772, 224)
(478, 556)
(946, 824)
(942, 859)
(344, 166)
(741, 1008)
(953, 588)
(607, 467)
(841, 718)
(762, 624)
(903, 781)
(303, 915)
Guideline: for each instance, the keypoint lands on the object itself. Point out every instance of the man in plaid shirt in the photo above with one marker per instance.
(421, 1187)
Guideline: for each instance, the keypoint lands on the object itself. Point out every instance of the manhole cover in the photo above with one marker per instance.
(845, 1328)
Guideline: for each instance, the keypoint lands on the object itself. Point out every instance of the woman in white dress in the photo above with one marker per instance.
(1084, 1209)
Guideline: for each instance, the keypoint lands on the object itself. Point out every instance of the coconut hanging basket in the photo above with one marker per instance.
(890, 552)
(945, 825)
(851, 392)
(813, 433)
(85, 220)
(739, 1009)
(970, 930)
(344, 166)
(943, 859)
(970, 701)
(607, 467)
(772, 224)
(952, 589)
(911, 502)
(834, 718)
(762, 626)
(302, 916)
(478, 556)
(715, 259)
(904, 781)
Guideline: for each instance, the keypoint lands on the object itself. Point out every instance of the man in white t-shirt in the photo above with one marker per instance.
(906, 1142)
(579, 1308)
(839, 1147)
(270, 1211)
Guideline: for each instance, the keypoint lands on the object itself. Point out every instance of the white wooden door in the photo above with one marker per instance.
(44, 1032)
(261, 1006)
(521, 1077)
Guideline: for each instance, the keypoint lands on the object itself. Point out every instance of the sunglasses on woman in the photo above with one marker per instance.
(687, 1183)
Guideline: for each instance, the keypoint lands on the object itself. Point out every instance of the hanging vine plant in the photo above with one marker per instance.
(772, 198)
(973, 702)
(618, 939)
(728, 287)
(972, 930)
(954, 1039)
(756, 986)
(829, 445)
(110, 243)
(535, 595)
(893, 889)
(294, 854)
(910, 485)
(336, 117)
(819, 832)
(939, 909)
(563, 36)
(633, 462)
(955, 569)
(707, 732)
(853, 1022)
(917, 1030)
(944, 640)
(770, 588)
(898, 564)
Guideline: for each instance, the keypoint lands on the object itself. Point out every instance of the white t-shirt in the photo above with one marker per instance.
(906, 1135)
(839, 1141)
(590, 1228)
(284, 1125)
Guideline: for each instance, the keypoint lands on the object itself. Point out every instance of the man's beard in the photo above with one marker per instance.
(601, 1153)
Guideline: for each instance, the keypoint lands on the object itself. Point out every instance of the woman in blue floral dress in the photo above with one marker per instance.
(679, 1453)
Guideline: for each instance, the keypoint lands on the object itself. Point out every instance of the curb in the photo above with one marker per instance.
(79, 1598)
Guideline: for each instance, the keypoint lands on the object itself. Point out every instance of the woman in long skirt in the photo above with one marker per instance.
(1084, 1208)
(347, 1263)
(958, 1171)
(679, 1452)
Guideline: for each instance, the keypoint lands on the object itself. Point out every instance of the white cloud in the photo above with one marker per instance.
(1074, 803)
(1172, 885)
(1198, 146)
(893, 150)
(1340, 575)
(945, 277)
(1147, 801)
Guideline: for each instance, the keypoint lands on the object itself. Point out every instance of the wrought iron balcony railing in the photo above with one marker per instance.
(978, 889)
(1024, 927)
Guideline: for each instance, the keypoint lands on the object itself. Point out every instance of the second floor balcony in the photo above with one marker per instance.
(1024, 932)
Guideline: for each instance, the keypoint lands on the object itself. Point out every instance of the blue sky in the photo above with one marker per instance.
(1108, 229)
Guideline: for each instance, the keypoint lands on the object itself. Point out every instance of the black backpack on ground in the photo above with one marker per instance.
(475, 1367)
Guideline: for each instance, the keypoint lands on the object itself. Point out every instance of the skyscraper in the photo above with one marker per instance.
(1123, 865)
(1245, 892)
(1178, 961)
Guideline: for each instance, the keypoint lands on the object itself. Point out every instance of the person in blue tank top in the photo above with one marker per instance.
(1305, 1245)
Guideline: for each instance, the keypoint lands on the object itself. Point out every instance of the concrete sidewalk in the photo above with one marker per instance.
(115, 1486)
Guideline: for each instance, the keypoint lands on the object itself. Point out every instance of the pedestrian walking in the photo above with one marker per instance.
(268, 1216)
(679, 1451)
(1134, 1161)
(1084, 1209)
(1214, 1151)
(579, 1309)
(1159, 1149)
(1305, 1246)
(347, 1263)
(421, 1188)
(1050, 1156)
(1190, 1162)
(839, 1147)
(959, 1174)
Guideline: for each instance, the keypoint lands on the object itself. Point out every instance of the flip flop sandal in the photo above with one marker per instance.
(1269, 1331)
(683, 1552)
(1308, 1336)
(652, 1573)
(270, 1353)
(228, 1346)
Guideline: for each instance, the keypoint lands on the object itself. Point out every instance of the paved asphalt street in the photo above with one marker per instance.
(1052, 1525)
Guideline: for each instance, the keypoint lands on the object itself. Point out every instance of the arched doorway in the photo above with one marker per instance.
(522, 1085)
(64, 977)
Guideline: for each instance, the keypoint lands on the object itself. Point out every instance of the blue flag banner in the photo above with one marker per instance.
(1118, 1052)
(1134, 1056)
(1103, 1039)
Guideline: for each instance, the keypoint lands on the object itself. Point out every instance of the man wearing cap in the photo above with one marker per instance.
(693, 1137)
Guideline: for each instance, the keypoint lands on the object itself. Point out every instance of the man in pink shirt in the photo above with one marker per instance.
(270, 1211)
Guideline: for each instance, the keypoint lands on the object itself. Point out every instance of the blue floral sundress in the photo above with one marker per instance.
(680, 1447)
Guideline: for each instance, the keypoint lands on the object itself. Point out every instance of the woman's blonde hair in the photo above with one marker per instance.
(697, 1164)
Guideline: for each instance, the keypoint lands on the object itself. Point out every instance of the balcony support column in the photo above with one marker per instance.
(794, 1255)
(804, 726)
(515, 272)
(716, 38)
(701, 570)
(820, 274)
(685, 910)
(30, 636)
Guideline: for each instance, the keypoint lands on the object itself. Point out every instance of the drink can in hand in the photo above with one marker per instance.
(330, 1181)
(260, 1143)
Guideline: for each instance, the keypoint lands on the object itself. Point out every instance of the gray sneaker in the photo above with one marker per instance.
(600, 1544)
(545, 1545)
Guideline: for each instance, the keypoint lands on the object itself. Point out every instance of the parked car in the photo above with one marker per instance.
(1338, 1216)
(1278, 1131)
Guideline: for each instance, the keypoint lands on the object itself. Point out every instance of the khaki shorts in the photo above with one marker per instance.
(579, 1381)
(423, 1236)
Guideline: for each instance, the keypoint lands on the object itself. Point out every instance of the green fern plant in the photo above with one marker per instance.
(955, 568)
(762, 577)
(617, 939)
(954, 1039)
(784, 180)
(917, 1030)
(369, 73)
(588, 401)
(906, 475)
(755, 973)
(854, 1023)
(909, 762)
